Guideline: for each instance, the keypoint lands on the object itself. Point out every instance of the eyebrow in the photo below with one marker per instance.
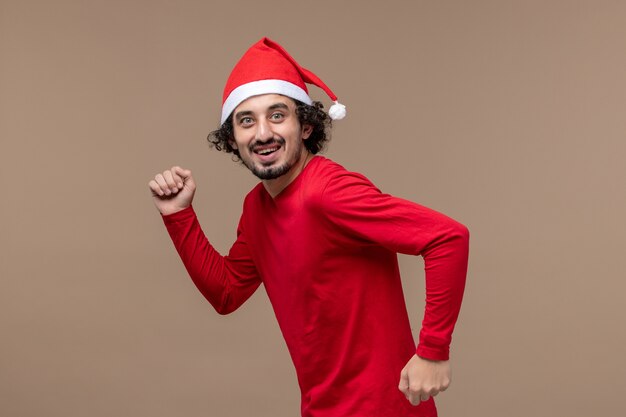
(240, 114)
(278, 106)
(243, 113)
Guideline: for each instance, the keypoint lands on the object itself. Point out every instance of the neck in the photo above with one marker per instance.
(275, 186)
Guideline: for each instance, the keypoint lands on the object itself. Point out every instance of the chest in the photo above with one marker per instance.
(286, 239)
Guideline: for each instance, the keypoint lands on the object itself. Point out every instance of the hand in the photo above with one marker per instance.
(422, 378)
(172, 190)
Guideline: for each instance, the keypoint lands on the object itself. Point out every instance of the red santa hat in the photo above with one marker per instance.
(266, 68)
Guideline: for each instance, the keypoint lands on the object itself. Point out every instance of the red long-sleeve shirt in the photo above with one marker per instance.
(325, 249)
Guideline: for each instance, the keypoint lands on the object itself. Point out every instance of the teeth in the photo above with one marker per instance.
(267, 151)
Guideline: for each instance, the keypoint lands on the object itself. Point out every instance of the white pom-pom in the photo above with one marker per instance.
(337, 111)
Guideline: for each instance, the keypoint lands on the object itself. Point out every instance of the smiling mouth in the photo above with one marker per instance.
(266, 150)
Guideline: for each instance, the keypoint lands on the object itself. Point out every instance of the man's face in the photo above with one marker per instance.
(268, 135)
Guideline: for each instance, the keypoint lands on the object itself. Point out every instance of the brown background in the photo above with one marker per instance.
(508, 116)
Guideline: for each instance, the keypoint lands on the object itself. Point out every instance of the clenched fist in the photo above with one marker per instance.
(423, 378)
(172, 190)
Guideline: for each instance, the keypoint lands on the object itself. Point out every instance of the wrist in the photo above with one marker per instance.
(172, 210)
(432, 360)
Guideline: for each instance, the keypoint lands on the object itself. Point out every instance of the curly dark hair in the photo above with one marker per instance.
(313, 115)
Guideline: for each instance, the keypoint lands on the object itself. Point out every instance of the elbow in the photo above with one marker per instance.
(464, 236)
(224, 309)
(220, 304)
(460, 233)
(463, 232)
(225, 305)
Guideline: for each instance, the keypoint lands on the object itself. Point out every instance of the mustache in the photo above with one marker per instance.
(273, 141)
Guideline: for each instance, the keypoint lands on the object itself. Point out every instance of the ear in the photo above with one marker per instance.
(233, 144)
(306, 131)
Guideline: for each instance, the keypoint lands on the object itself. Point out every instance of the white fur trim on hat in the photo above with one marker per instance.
(256, 88)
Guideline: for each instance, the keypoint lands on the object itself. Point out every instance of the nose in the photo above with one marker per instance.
(264, 130)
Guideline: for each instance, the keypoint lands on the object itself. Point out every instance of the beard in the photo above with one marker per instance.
(272, 172)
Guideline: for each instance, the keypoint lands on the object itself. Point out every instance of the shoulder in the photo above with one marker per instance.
(325, 171)
(253, 197)
(332, 183)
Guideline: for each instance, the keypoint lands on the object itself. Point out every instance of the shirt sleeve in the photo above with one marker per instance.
(225, 281)
(356, 207)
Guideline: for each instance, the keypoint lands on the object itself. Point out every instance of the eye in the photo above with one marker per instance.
(277, 116)
(246, 121)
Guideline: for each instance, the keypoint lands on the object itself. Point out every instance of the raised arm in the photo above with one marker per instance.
(225, 281)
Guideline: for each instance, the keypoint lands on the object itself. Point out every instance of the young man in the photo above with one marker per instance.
(323, 241)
